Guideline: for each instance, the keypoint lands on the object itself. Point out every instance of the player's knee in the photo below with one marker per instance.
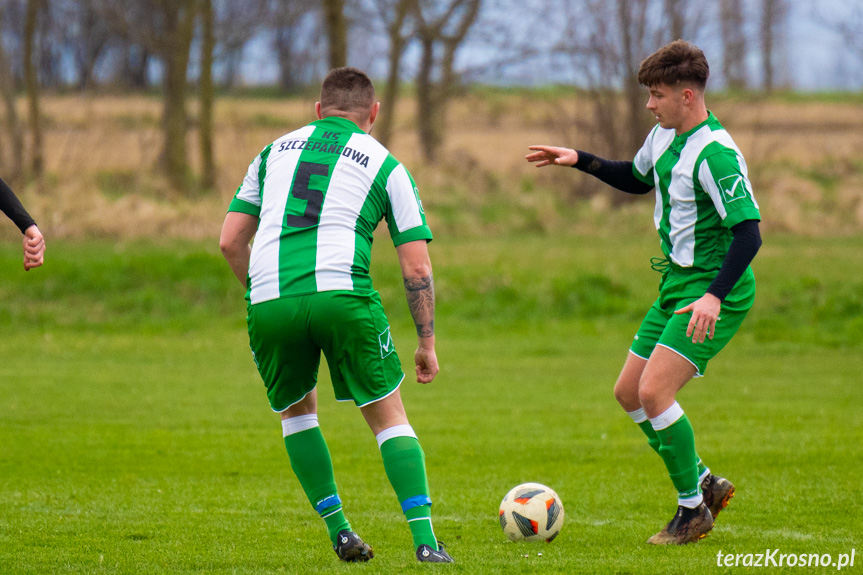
(649, 395)
(626, 396)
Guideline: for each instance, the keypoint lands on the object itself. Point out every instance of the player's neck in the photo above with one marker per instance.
(695, 117)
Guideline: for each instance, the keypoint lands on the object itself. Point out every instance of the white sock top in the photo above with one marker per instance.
(403, 430)
(299, 423)
(667, 417)
(638, 416)
(691, 502)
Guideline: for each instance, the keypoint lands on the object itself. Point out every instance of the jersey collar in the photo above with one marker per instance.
(685, 135)
(343, 124)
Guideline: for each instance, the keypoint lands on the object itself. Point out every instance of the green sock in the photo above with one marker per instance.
(653, 442)
(310, 460)
(677, 448)
(404, 463)
(652, 438)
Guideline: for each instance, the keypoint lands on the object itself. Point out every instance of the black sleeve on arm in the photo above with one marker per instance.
(617, 174)
(744, 246)
(11, 206)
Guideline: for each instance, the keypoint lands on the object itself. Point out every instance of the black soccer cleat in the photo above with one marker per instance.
(425, 554)
(351, 549)
(717, 492)
(687, 526)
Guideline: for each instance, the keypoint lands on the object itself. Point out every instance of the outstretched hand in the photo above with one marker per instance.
(705, 314)
(34, 248)
(551, 155)
(426, 364)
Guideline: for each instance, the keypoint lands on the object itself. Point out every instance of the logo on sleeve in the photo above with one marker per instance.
(733, 187)
(419, 201)
(385, 339)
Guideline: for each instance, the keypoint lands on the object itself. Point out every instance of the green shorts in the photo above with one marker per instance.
(288, 334)
(679, 288)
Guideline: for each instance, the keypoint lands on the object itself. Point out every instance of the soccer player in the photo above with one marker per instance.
(311, 200)
(34, 243)
(707, 220)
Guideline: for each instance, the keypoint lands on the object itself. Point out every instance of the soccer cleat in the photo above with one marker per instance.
(351, 549)
(717, 492)
(425, 554)
(687, 526)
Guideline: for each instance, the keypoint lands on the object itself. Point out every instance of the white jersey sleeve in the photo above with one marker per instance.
(642, 165)
(405, 216)
(248, 197)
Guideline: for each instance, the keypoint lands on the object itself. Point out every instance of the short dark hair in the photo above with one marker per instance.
(679, 61)
(346, 90)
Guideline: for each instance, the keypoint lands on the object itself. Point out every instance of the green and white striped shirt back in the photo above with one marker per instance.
(319, 192)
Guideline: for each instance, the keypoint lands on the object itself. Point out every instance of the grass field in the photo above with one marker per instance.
(136, 438)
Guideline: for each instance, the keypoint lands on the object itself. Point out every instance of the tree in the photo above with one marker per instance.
(205, 119)
(441, 29)
(16, 136)
(50, 36)
(773, 13)
(605, 43)
(295, 41)
(93, 37)
(847, 25)
(32, 84)
(632, 21)
(179, 27)
(681, 20)
(165, 28)
(337, 32)
(674, 11)
(235, 23)
(394, 15)
(733, 43)
(132, 64)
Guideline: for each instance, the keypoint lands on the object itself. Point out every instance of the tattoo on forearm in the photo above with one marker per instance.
(420, 295)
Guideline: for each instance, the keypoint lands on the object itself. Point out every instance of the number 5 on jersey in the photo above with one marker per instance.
(301, 191)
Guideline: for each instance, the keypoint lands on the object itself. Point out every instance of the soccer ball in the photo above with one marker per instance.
(531, 512)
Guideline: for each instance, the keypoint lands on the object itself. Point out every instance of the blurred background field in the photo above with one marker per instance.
(803, 155)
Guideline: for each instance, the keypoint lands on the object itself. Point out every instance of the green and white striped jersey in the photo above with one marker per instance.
(702, 190)
(319, 193)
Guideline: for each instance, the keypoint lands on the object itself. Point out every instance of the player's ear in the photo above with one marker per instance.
(373, 113)
(688, 95)
(318, 110)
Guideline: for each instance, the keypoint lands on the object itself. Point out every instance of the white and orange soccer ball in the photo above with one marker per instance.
(531, 512)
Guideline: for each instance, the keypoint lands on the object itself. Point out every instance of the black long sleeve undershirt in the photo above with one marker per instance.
(617, 174)
(741, 252)
(11, 206)
(747, 235)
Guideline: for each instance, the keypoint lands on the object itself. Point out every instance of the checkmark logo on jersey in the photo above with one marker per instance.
(733, 187)
(385, 339)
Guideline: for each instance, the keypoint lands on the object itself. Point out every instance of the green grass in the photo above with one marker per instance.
(136, 438)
